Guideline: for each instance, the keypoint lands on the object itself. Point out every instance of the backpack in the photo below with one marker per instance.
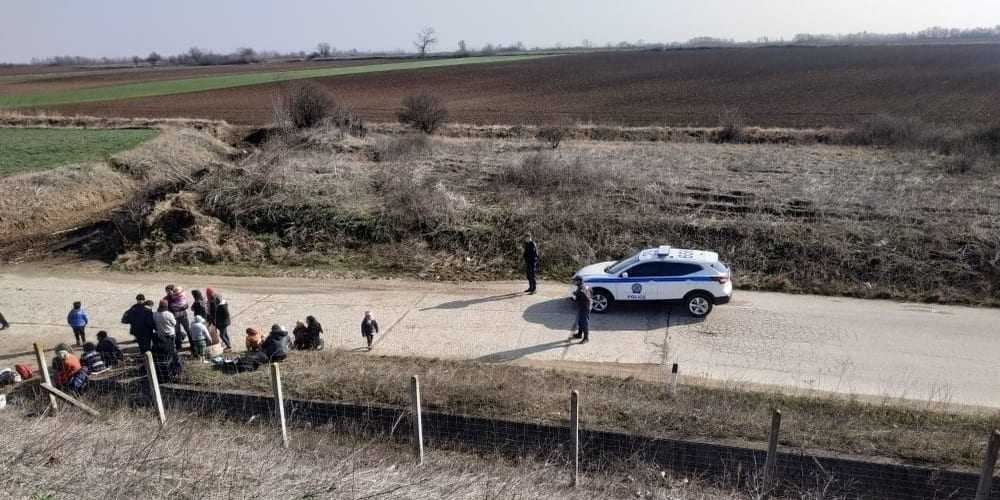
(24, 371)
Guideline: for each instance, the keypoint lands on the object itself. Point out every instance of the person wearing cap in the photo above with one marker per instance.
(369, 327)
(275, 347)
(139, 319)
(530, 263)
(584, 301)
(253, 340)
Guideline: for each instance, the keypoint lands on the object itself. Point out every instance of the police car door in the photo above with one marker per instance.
(679, 278)
(641, 283)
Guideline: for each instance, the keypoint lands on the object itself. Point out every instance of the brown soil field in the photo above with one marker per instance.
(82, 79)
(783, 87)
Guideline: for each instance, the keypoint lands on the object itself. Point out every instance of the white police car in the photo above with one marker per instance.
(694, 278)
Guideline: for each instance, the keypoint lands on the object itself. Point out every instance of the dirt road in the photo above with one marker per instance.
(870, 348)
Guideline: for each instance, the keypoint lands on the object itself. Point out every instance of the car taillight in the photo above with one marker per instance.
(721, 279)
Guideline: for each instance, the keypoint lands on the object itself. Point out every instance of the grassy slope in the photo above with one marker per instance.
(632, 405)
(168, 87)
(35, 149)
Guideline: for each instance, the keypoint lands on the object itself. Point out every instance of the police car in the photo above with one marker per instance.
(694, 278)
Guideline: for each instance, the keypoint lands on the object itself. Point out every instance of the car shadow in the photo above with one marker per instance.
(461, 304)
(560, 314)
(514, 354)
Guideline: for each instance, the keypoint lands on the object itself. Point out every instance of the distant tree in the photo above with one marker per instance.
(324, 50)
(488, 50)
(423, 112)
(136, 60)
(586, 43)
(425, 39)
(153, 58)
(463, 49)
(246, 55)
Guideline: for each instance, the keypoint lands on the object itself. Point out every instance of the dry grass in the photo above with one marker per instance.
(817, 219)
(912, 435)
(123, 455)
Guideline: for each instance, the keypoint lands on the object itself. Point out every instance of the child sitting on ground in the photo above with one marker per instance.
(71, 377)
(254, 340)
(108, 347)
(92, 359)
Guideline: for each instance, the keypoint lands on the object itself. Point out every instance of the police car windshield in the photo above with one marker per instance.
(622, 265)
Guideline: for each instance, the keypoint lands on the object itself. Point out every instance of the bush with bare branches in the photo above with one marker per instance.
(423, 112)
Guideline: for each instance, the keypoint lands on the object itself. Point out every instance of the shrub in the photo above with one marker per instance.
(305, 105)
(541, 173)
(423, 112)
(551, 135)
(731, 125)
(400, 148)
(886, 130)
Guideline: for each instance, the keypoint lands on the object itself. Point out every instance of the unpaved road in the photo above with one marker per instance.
(945, 354)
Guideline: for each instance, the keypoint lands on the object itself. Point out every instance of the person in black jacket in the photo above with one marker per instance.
(218, 316)
(108, 349)
(369, 327)
(139, 319)
(3, 323)
(530, 263)
(199, 306)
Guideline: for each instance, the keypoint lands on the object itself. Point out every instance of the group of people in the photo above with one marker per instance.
(71, 372)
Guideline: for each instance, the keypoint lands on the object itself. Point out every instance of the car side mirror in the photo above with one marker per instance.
(624, 275)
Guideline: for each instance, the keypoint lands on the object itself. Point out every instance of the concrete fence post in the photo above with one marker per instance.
(154, 387)
(418, 423)
(770, 462)
(673, 379)
(279, 402)
(989, 465)
(43, 367)
(574, 425)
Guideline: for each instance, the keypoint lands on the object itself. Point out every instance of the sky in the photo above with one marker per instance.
(94, 28)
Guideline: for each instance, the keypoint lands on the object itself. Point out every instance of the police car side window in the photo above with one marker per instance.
(680, 269)
(647, 269)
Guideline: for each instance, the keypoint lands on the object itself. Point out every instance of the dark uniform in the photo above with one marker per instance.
(139, 319)
(584, 301)
(3, 323)
(530, 264)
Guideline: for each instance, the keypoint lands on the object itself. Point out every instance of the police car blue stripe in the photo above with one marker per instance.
(649, 279)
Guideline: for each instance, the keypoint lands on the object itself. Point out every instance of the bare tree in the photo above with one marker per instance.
(324, 50)
(153, 58)
(463, 49)
(136, 60)
(425, 39)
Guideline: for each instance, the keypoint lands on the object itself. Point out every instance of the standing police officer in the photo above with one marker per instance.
(530, 263)
(584, 301)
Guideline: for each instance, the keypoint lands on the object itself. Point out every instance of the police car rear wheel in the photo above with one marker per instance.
(602, 301)
(699, 305)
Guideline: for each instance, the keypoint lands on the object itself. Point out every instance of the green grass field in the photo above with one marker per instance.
(168, 87)
(30, 149)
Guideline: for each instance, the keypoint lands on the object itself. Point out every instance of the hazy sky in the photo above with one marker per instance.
(40, 28)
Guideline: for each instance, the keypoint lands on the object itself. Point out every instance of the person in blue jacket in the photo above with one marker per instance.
(77, 319)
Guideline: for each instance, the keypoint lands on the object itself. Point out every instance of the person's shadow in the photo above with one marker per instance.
(560, 314)
(514, 354)
(461, 304)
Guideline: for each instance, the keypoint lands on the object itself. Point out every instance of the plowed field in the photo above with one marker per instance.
(788, 86)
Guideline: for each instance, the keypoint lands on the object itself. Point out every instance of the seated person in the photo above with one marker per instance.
(72, 376)
(91, 359)
(108, 347)
(300, 333)
(254, 340)
(275, 346)
(168, 363)
(199, 337)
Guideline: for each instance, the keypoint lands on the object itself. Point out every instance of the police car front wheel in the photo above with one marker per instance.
(699, 305)
(602, 302)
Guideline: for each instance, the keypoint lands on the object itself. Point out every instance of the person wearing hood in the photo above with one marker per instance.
(275, 347)
(178, 306)
(254, 340)
(299, 335)
(139, 319)
(199, 337)
(72, 376)
(78, 320)
(218, 316)
(369, 327)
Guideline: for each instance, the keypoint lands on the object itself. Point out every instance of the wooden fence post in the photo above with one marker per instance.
(574, 424)
(418, 424)
(986, 477)
(43, 367)
(673, 379)
(770, 462)
(154, 387)
(279, 401)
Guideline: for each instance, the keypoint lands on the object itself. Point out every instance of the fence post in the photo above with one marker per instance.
(673, 379)
(44, 368)
(418, 423)
(279, 401)
(772, 451)
(986, 478)
(574, 424)
(154, 387)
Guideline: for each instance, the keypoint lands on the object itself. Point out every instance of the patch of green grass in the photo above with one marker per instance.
(169, 87)
(29, 149)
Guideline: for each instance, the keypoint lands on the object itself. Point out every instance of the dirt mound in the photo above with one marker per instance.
(177, 231)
